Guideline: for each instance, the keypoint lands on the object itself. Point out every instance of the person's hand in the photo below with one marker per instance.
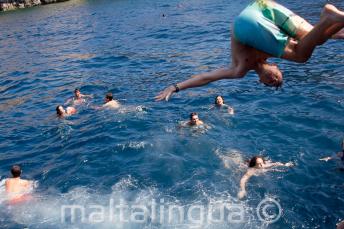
(325, 159)
(165, 94)
(230, 111)
(242, 194)
(289, 164)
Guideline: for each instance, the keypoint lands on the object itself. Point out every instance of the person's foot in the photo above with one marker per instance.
(331, 13)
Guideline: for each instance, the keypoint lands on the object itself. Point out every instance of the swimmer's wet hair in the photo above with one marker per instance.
(58, 112)
(76, 89)
(253, 161)
(193, 114)
(109, 96)
(16, 171)
(217, 97)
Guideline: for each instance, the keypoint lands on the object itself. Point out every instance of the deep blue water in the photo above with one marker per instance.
(134, 49)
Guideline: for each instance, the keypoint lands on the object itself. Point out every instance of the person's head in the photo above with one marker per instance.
(60, 110)
(219, 101)
(194, 118)
(270, 75)
(108, 97)
(77, 93)
(16, 171)
(256, 162)
(343, 145)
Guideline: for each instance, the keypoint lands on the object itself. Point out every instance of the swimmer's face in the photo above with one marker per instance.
(219, 100)
(194, 119)
(259, 163)
(77, 94)
(270, 75)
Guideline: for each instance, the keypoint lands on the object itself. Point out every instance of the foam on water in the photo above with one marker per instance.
(46, 210)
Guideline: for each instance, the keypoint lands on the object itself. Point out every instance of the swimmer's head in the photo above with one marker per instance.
(77, 93)
(16, 171)
(343, 145)
(60, 110)
(256, 162)
(194, 118)
(270, 75)
(108, 97)
(219, 101)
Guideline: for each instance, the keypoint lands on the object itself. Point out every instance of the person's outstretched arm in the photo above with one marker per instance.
(69, 101)
(326, 159)
(87, 96)
(242, 193)
(340, 154)
(202, 79)
(275, 164)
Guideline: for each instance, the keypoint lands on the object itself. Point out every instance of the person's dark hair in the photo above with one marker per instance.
(76, 89)
(217, 97)
(253, 161)
(193, 114)
(109, 96)
(279, 84)
(16, 171)
(58, 112)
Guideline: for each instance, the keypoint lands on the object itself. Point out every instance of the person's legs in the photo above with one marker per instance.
(334, 29)
(331, 21)
(303, 27)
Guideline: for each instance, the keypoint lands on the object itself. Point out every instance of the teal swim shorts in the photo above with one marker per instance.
(266, 27)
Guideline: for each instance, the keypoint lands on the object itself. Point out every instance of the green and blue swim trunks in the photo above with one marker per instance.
(265, 26)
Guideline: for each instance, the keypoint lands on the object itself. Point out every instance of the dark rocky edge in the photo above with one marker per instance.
(6, 5)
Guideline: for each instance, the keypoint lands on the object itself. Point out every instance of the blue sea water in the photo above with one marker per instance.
(138, 154)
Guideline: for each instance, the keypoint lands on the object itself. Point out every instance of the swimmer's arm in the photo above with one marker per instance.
(7, 185)
(340, 154)
(325, 159)
(242, 193)
(69, 101)
(29, 183)
(276, 164)
(87, 96)
(203, 79)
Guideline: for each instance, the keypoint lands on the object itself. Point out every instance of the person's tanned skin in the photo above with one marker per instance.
(244, 58)
(16, 186)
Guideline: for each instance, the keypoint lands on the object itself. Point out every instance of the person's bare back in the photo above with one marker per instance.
(17, 185)
(17, 188)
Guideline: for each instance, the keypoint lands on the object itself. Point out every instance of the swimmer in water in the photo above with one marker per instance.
(257, 165)
(194, 120)
(278, 32)
(61, 112)
(17, 188)
(110, 102)
(78, 98)
(339, 155)
(220, 103)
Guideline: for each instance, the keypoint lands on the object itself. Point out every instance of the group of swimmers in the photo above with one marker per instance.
(219, 103)
(17, 189)
(264, 29)
(79, 99)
